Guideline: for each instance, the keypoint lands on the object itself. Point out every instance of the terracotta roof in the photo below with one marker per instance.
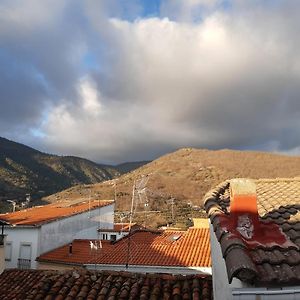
(169, 248)
(37, 284)
(278, 202)
(47, 213)
(81, 252)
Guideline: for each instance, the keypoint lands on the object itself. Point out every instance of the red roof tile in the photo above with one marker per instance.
(169, 248)
(47, 213)
(81, 284)
(278, 202)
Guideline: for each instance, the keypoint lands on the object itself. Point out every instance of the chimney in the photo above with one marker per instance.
(243, 206)
(70, 249)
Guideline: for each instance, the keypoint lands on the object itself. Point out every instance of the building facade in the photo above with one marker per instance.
(40, 229)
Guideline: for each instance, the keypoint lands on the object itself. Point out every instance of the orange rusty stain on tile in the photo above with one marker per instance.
(189, 248)
(47, 213)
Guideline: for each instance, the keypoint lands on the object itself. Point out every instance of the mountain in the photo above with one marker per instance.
(185, 176)
(130, 166)
(26, 170)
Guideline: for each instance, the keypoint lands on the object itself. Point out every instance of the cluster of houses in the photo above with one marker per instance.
(247, 248)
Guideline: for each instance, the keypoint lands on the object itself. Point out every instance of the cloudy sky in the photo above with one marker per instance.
(117, 81)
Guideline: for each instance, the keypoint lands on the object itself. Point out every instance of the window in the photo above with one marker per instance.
(113, 237)
(104, 236)
(24, 261)
(8, 251)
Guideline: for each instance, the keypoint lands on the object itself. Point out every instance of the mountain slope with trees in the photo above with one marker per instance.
(184, 176)
(26, 170)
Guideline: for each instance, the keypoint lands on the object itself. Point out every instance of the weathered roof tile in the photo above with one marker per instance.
(168, 248)
(279, 203)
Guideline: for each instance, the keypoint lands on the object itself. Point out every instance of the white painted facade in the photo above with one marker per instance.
(239, 290)
(151, 269)
(28, 242)
(2, 253)
(112, 235)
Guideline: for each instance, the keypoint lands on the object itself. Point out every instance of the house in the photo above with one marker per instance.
(255, 239)
(142, 251)
(118, 231)
(82, 284)
(36, 230)
(2, 246)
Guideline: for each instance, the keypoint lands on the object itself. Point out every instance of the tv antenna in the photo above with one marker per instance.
(13, 203)
(139, 198)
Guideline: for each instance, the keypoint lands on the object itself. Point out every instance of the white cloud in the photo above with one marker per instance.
(89, 96)
(226, 79)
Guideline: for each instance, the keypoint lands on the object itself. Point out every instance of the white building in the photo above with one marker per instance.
(37, 230)
(118, 231)
(142, 251)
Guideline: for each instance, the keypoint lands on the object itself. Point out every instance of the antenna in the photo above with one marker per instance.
(130, 222)
(90, 203)
(14, 203)
(138, 197)
(122, 217)
(115, 189)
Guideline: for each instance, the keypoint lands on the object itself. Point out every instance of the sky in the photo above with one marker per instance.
(116, 80)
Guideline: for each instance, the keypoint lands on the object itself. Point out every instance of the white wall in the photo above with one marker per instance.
(57, 233)
(81, 226)
(2, 254)
(17, 236)
(118, 234)
(276, 293)
(151, 269)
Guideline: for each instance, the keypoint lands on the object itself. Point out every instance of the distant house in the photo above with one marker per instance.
(255, 239)
(118, 231)
(142, 251)
(33, 231)
(83, 284)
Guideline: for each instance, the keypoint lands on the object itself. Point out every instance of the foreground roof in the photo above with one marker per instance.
(189, 248)
(278, 202)
(37, 284)
(42, 214)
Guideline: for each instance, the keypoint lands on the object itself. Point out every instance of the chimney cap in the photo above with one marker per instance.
(242, 186)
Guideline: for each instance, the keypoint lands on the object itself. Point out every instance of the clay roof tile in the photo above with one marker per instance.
(278, 202)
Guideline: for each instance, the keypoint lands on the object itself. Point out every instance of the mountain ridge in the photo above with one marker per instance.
(24, 169)
(186, 175)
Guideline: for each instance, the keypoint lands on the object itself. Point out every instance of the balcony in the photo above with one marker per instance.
(24, 263)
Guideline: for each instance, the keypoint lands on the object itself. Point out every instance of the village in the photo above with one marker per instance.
(248, 247)
(149, 150)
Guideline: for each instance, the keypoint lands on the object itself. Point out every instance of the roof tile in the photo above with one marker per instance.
(278, 203)
(51, 212)
(169, 248)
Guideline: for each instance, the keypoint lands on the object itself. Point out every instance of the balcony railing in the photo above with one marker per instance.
(24, 263)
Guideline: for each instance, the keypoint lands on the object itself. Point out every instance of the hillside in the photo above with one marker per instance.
(26, 170)
(130, 166)
(186, 175)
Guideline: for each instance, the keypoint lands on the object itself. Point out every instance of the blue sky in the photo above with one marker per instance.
(118, 81)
